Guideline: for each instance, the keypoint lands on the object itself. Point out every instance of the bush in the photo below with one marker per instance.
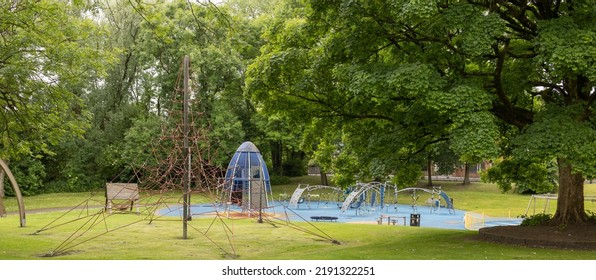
(294, 167)
(591, 215)
(536, 220)
(29, 173)
(279, 180)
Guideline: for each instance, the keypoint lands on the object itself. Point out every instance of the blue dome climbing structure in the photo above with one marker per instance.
(247, 183)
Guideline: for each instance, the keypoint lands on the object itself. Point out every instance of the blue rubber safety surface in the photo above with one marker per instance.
(429, 217)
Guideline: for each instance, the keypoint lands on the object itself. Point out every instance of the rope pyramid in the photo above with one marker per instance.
(160, 176)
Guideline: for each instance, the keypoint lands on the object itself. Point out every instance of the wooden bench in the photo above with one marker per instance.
(323, 218)
(125, 193)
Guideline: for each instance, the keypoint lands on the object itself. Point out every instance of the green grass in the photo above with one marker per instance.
(253, 241)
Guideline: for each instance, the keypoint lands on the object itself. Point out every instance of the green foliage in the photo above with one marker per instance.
(490, 78)
(480, 33)
(279, 180)
(536, 220)
(569, 47)
(557, 133)
(525, 176)
(386, 108)
(406, 175)
(139, 143)
(118, 116)
(48, 56)
(474, 134)
(29, 172)
(445, 159)
(294, 167)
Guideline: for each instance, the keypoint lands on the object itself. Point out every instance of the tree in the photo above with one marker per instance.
(50, 56)
(386, 115)
(46, 57)
(396, 77)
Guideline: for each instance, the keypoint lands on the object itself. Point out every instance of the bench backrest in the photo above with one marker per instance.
(127, 191)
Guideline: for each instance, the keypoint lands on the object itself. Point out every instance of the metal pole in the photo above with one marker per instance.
(261, 193)
(186, 154)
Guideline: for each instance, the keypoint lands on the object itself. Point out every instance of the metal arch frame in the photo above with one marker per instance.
(417, 189)
(307, 189)
(364, 187)
(17, 192)
(316, 187)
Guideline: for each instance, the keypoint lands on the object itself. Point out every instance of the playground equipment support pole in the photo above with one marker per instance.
(17, 191)
(260, 203)
(186, 154)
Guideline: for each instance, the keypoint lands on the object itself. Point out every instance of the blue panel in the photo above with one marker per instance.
(266, 174)
(232, 166)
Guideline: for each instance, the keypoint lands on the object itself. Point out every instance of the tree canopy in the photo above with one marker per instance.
(364, 88)
(48, 53)
(513, 79)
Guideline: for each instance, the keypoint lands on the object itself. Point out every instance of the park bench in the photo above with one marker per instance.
(121, 196)
(391, 220)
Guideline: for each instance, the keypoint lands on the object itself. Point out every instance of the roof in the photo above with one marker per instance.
(248, 147)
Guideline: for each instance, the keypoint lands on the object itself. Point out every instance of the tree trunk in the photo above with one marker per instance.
(467, 173)
(277, 158)
(429, 170)
(2, 208)
(324, 180)
(2, 194)
(570, 203)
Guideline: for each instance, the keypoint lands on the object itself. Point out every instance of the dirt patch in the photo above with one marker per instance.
(577, 237)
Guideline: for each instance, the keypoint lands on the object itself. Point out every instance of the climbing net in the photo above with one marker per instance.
(181, 152)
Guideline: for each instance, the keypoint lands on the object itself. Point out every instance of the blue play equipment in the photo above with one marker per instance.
(367, 202)
(448, 201)
(367, 197)
(247, 183)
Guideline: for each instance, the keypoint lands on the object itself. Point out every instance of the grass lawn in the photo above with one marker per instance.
(253, 241)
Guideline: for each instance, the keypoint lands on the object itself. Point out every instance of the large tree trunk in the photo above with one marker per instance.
(467, 173)
(570, 203)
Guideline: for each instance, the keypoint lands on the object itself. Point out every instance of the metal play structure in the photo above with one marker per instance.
(435, 203)
(546, 204)
(366, 198)
(370, 197)
(247, 182)
(324, 196)
(363, 197)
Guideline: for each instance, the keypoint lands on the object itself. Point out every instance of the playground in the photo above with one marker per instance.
(364, 203)
(161, 239)
(399, 216)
